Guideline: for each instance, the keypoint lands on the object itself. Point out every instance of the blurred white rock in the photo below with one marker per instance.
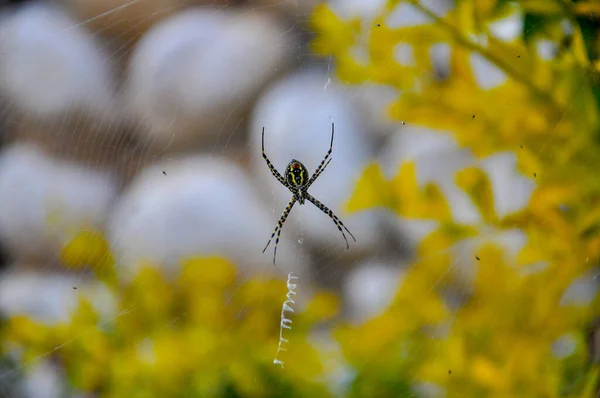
(51, 298)
(509, 27)
(370, 288)
(340, 374)
(547, 49)
(411, 142)
(512, 190)
(363, 9)
(50, 68)
(42, 380)
(583, 290)
(193, 75)
(406, 14)
(45, 202)
(372, 101)
(297, 113)
(197, 206)
(487, 75)
(428, 389)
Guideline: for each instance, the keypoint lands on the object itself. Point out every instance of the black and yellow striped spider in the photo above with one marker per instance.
(297, 180)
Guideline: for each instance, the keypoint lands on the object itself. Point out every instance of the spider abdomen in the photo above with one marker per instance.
(296, 174)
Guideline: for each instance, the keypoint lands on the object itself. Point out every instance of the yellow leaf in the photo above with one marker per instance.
(323, 306)
(578, 47)
(215, 272)
(488, 374)
(371, 339)
(334, 35)
(476, 183)
(23, 330)
(245, 374)
(371, 190)
(541, 6)
(444, 237)
(87, 248)
(528, 162)
(484, 9)
(529, 255)
(587, 8)
(494, 277)
(405, 183)
(591, 384)
(412, 201)
(85, 315)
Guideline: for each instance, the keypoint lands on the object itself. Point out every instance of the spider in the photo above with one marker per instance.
(297, 180)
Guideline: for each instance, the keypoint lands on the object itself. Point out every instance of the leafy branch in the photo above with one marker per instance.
(496, 60)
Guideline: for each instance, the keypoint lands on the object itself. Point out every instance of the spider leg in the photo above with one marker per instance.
(316, 175)
(279, 227)
(322, 166)
(336, 220)
(271, 167)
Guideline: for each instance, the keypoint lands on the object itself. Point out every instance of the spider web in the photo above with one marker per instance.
(145, 124)
(81, 138)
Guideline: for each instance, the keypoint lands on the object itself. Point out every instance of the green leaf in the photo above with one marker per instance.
(596, 92)
(532, 24)
(590, 26)
(502, 5)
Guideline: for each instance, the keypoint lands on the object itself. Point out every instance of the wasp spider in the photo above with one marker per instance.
(297, 180)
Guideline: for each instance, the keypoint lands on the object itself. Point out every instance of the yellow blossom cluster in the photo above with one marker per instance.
(512, 332)
(209, 332)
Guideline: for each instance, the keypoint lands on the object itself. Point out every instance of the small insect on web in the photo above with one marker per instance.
(297, 181)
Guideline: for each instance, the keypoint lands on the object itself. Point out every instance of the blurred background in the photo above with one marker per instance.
(135, 202)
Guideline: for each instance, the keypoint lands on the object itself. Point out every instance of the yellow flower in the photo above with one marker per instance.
(204, 333)
(323, 306)
(86, 248)
(493, 337)
(89, 248)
